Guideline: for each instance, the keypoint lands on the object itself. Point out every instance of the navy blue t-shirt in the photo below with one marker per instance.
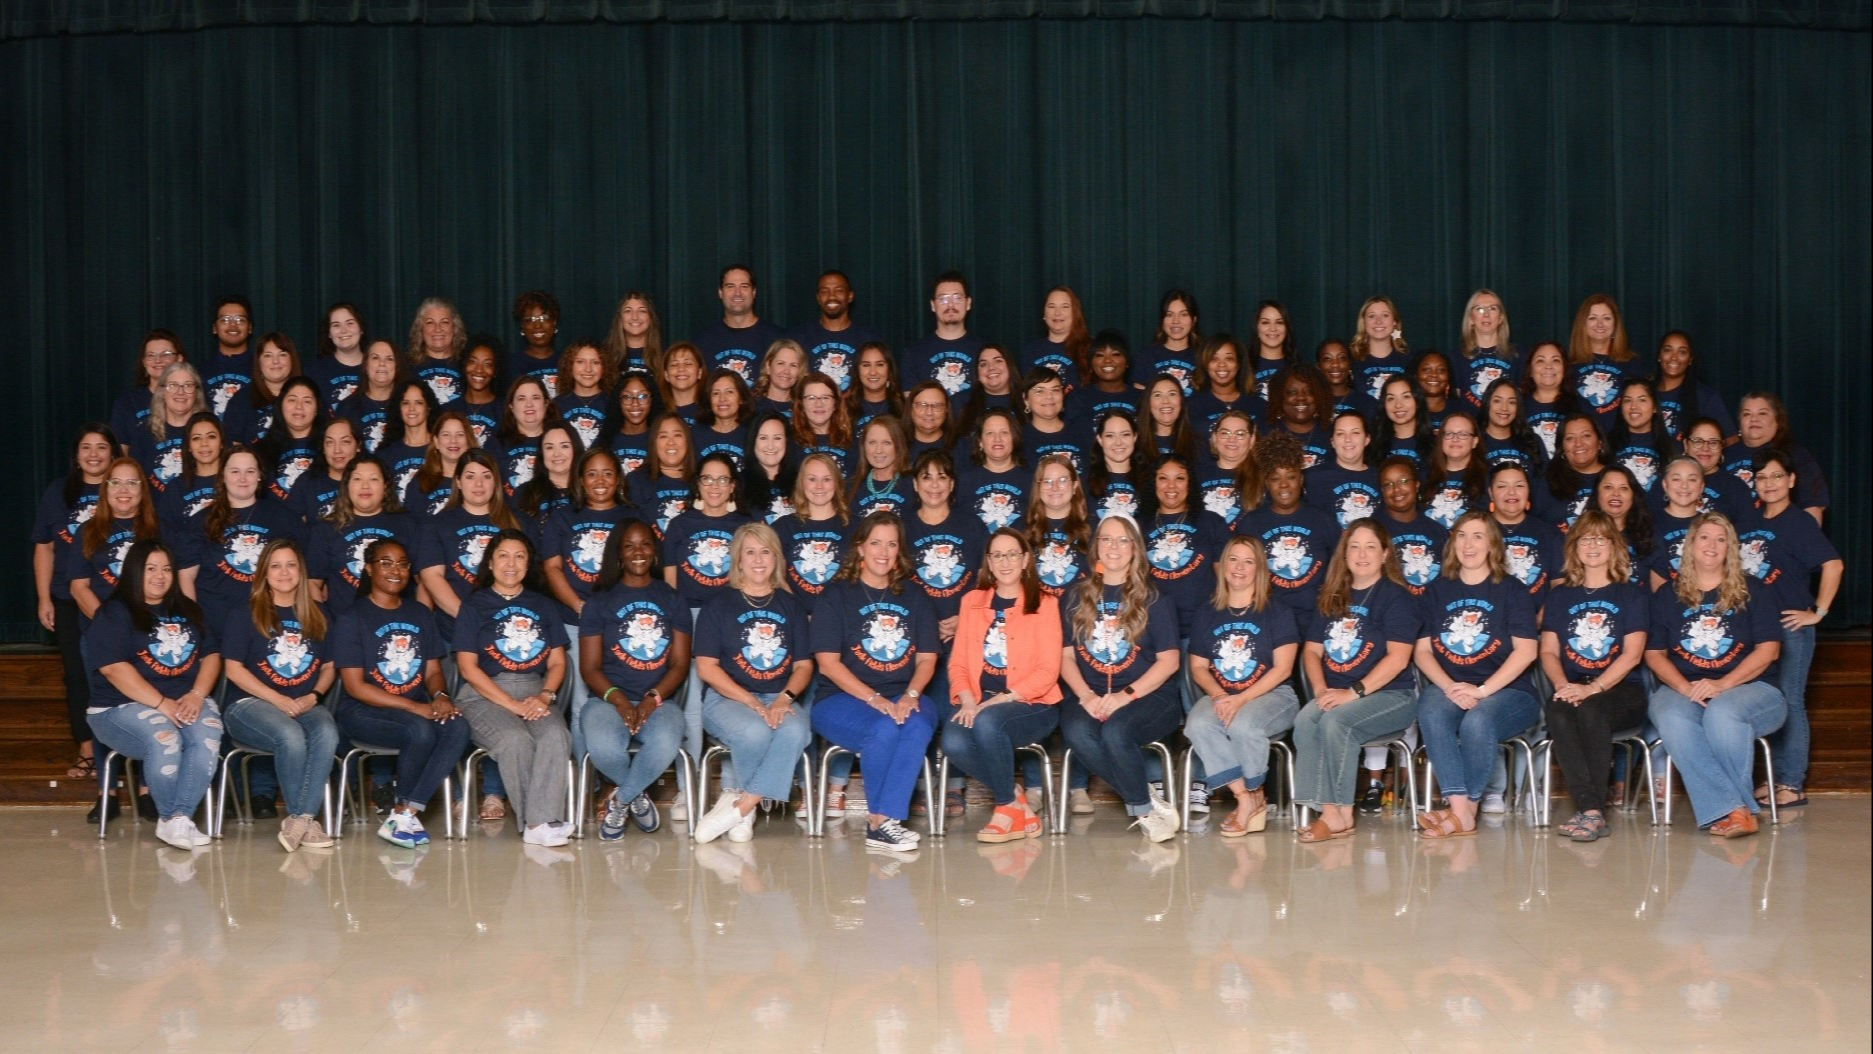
(833, 353)
(1353, 645)
(337, 556)
(1299, 546)
(950, 363)
(168, 657)
(224, 377)
(1596, 383)
(1205, 406)
(1043, 352)
(1071, 441)
(1215, 489)
(455, 541)
(1506, 452)
(635, 627)
(1419, 544)
(1449, 501)
(1709, 404)
(509, 636)
(1108, 659)
(1641, 455)
(876, 633)
(1059, 561)
(1086, 403)
(1470, 377)
(1533, 549)
(1782, 554)
(1156, 359)
(897, 497)
(484, 420)
(998, 499)
(1591, 626)
(227, 565)
(995, 647)
(579, 537)
(444, 378)
(664, 497)
(523, 363)
(312, 499)
(1473, 628)
(1349, 494)
(162, 460)
(698, 545)
(1667, 552)
(1124, 494)
(294, 460)
(812, 552)
(1544, 419)
(391, 647)
(587, 414)
(336, 380)
(756, 643)
(101, 568)
(740, 350)
(1811, 489)
(130, 412)
(179, 508)
(288, 661)
(1315, 448)
(732, 444)
(1181, 550)
(372, 416)
(632, 450)
(1370, 374)
(519, 461)
(1240, 647)
(1704, 643)
(945, 558)
(57, 524)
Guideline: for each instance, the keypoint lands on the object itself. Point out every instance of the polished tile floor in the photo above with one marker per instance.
(1514, 940)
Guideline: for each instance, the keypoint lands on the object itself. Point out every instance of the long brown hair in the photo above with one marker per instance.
(851, 568)
(841, 508)
(1498, 560)
(1077, 525)
(97, 529)
(1596, 524)
(1030, 576)
(1135, 595)
(306, 611)
(499, 513)
(615, 350)
(1336, 590)
(219, 515)
(1579, 350)
(838, 426)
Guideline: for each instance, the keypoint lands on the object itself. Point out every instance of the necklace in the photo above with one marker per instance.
(1360, 602)
(756, 601)
(873, 490)
(508, 596)
(866, 587)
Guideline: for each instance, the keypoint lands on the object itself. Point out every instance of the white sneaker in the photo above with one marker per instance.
(1492, 804)
(718, 821)
(679, 806)
(1158, 825)
(1079, 803)
(1160, 807)
(176, 831)
(1036, 798)
(195, 833)
(744, 830)
(545, 834)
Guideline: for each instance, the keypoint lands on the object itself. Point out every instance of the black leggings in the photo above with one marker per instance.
(68, 629)
(1583, 739)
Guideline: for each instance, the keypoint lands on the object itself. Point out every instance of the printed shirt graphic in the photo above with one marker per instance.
(1348, 494)
(697, 545)
(813, 550)
(1372, 374)
(756, 644)
(1158, 359)
(945, 558)
(1420, 548)
(1472, 628)
(1642, 461)
(1354, 643)
(637, 626)
(579, 538)
(1780, 555)
(1121, 498)
(1704, 642)
(586, 414)
(399, 666)
(1448, 502)
(518, 465)
(1109, 660)
(1531, 547)
(228, 569)
(510, 636)
(389, 647)
(1214, 489)
(166, 657)
(226, 377)
(444, 380)
(1597, 383)
(1057, 561)
(292, 464)
(102, 567)
(877, 634)
(173, 648)
(1591, 626)
(1240, 647)
(997, 499)
(289, 660)
(1298, 546)
(1473, 376)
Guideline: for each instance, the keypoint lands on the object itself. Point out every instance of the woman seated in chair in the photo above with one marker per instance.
(151, 651)
(1476, 644)
(633, 654)
(389, 659)
(278, 656)
(1004, 680)
(1714, 645)
(1241, 652)
(751, 655)
(874, 641)
(1592, 642)
(510, 647)
(1119, 663)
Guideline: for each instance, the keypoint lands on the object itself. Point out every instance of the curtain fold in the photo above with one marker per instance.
(1713, 179)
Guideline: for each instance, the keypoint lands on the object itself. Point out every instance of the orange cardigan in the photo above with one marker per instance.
(1034, 645)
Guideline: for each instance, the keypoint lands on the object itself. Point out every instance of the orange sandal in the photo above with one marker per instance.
(1007, 825)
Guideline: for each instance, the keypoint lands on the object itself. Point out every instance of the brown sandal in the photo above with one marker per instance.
(1321, 831)
(1446, 828)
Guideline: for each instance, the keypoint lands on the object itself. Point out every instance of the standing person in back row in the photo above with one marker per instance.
(230, 366)
(947, 356)
(741, 338)
(832, 341)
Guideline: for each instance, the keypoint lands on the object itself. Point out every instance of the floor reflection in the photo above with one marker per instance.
(1093, 940)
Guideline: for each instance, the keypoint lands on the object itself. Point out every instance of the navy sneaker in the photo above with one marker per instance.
(644, 813)
(891, 836)
(612, 827)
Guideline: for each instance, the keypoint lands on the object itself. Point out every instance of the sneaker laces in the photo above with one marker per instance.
(896, 830)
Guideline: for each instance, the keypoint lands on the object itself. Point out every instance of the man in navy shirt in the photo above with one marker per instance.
(740, 340)
(948, 355)
(832, 341)
(230, 366)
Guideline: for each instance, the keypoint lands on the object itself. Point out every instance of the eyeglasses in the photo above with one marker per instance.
(1703, 442)
(1003, 558)
(1773, 477)
(1459, 435)
(158, 356)
(714, 481)
(1232, 433)
(393, 565)
(1594, 539)
(536, 318)
(950, 298)
(1487, 309)
(229, 320)
(927, 407)
(1397, 484)
(1116, 542)
(636, 397)
(181, 386)
(816, 398)
(124, 484)
(1067, 482)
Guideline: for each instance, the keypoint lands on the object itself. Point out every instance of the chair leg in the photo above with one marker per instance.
(1061, 793)
(933, 798)
(939, 818)
(1768, 771)
(220, 813)
(1667, 794)
(448, 814)
(686, 781)
(807, 798)
(104, 791)
(1183, 788)
(468, 787)
(825, 785)
(1047, 784)
(581, 795)
(1646, 749)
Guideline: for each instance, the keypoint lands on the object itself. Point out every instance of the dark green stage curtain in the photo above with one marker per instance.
(1713, 179)
(37, 18)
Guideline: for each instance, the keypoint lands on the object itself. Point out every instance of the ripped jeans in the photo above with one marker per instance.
(178, 761)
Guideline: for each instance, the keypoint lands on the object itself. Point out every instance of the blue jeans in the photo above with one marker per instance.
(1463, 745)
(1713, 746)
(1327, 743)
(1114, 748)
(987, 751)
(574, 692)
(427, 751)
(302, 747)
(1239, 750)
(609, 743)
(893, 754)
(1788, 747)
(178, 760)
(764, 757)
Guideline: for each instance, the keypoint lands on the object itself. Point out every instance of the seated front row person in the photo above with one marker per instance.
(510, 647)
(389, 658)
(874, 641)
(1714, 645)
(1592, 642)
(633, 655)
(1004, 677)
(751, 655)
(1476, 645)
(1242, 650)
(155, 664)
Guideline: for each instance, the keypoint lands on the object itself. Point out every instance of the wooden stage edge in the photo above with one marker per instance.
(35, 741)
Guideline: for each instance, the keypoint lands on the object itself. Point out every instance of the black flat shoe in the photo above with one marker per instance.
(264, 809)
(1372, 800)
(112, 811)
(146, 806)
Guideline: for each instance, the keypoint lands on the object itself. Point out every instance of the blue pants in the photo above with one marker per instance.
(302, 747)
(893, 754)
(987, 751)
(178, 760)
(764, 757)
(1463, 744)
(1788, 747)
(427, 751)
(1327, 743)
(1239, 750)
(1114, 748)
(609, 743)
(1713, 745)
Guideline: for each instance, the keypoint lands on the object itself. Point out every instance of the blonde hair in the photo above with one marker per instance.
(1469, 323)
(840, 506)
(1357, 346)
(1733, 587)
(1259, 601)
(1598, 524)
(1135, 595)
(755, 532)
(159, 415)
(1498, 552)
(260, 601)
(783, 344)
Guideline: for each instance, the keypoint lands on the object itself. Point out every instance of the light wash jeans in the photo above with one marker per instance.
(764, 757)
(1327, 743)
(1788, 747)
(1239, 750)
(609, 742)
(178, 760)
(302, 748)
(1713, 746)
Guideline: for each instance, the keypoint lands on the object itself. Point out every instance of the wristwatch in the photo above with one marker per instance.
(1359, 688)
(786, 695)
(911, 693)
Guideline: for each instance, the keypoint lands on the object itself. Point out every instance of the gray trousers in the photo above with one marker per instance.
(531, 754)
